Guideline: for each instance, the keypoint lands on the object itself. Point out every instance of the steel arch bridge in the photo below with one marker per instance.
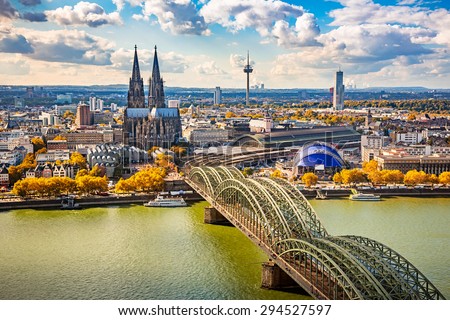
(277, 217)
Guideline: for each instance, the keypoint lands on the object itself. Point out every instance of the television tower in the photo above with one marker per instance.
(248, 69)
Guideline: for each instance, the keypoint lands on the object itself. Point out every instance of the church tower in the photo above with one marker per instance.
(156, 86)
(136, 96)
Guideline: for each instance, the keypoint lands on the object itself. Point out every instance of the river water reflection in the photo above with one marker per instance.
(134, 252)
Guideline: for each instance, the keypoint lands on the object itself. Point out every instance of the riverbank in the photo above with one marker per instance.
(398, 192)
(83, 202)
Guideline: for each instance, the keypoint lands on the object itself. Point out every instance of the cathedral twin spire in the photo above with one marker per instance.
(136, 97)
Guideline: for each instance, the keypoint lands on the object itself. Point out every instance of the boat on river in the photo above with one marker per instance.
(160, 201)
(359, 196)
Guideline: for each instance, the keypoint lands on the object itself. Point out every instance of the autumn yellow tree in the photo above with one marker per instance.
(147, 180)
(16, 172)
(277, 174)
(125, 186)
(77, 159)
(414, 177)
(309, 179)
(164, 161)
(353, 176)
(59, 137)
(42, 150)
(230, 114)
(392, 176)
(97, 171)
(38, 143)
(444, 177)
(337, 178)
(91, 185)
(21, 188)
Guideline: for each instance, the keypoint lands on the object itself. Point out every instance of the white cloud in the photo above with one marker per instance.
(304, 33)
(14, 66)
(120, 4)
(239, 61)
(72, 46)
(270, 18)
(83, 13)
(176, 16)
(209, 68)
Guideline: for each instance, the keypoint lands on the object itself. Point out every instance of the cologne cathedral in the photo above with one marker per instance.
(154, 124)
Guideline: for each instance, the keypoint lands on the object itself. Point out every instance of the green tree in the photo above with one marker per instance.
(247, 171)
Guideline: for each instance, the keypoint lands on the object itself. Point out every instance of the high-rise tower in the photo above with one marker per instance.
(338, 93)
(248, 69)
(156, 86)
(136, 96)
(217, 96)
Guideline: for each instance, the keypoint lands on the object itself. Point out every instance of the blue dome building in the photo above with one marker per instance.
(317, 156)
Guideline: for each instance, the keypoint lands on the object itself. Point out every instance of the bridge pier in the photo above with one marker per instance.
(213, 216)
(273, 277)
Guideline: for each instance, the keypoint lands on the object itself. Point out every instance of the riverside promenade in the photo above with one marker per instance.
(174, 185)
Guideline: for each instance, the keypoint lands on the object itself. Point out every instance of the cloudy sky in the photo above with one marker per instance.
(203, 43)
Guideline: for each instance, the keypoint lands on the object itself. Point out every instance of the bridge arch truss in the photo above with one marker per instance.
(276, 216)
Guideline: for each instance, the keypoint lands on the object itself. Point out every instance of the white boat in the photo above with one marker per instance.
(358, 196)
(160, 201)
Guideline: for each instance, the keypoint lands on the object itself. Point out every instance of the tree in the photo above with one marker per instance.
(444, 177)
(414, 177)
(21, 188)
(432, 178)
(96, 171)
(230, 114)
(337, 178)
(90, 185)
(59, 137)
(353, 176)
(77, 159)
(370, 166)
(38, 143)
(125, 186)
(163, 160)
(29, 161)
(392, 176)
(42, 150)
(309, 179)
(247, 171)
(277, 174)
(15, 174)
(147, 180)
(68, 114)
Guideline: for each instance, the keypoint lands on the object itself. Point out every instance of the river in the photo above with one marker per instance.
(134, 252)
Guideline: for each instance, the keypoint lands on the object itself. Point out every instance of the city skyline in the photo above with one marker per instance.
(204, 43)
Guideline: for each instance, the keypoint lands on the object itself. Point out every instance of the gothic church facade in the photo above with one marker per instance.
(153, 125)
